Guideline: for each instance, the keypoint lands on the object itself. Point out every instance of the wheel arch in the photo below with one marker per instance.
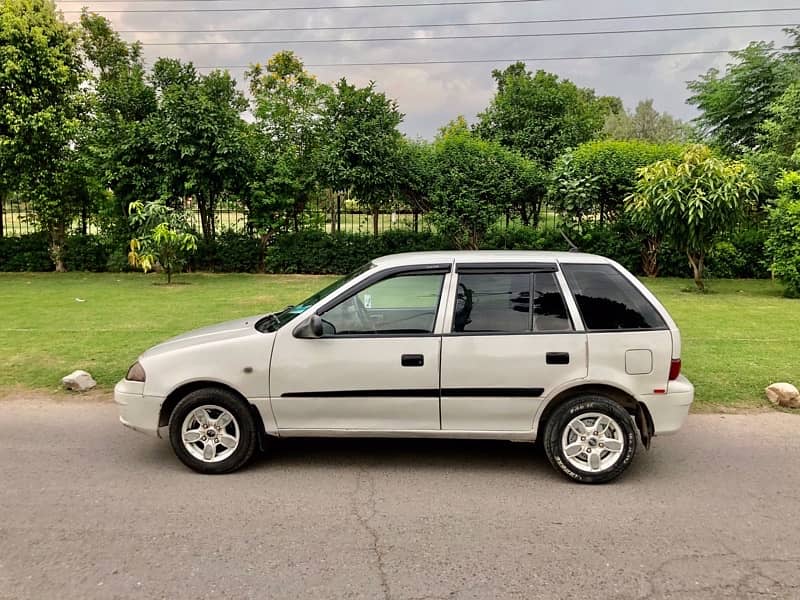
(180, 392)
(638, 410)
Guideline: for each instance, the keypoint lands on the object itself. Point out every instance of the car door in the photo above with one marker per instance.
(511, 340)
(376, 365)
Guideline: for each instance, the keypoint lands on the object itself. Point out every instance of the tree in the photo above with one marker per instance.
(540, 115)
(361, 144)
(288, 103)
(41, 109)
(693, 201)
(781, 129)
(120, 143)
(647, 124)
(199, 137)
(734, 104)
(474, 183)
(596, 177)
(783, 242)
(164, 238)
(415, 173)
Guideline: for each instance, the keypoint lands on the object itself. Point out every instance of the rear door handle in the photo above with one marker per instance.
(412, 360)
(557, 358)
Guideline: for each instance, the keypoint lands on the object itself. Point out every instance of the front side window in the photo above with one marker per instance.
(509, 303)
(608, 301)
(405, 304)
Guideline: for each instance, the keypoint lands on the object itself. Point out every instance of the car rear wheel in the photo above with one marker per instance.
(590, 439)
(213, 431)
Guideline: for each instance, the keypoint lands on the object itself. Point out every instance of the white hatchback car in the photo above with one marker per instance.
(565, 348)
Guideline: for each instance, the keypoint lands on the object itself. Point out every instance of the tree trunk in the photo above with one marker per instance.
(650, 256)
(169, 276)
(375, 217)
(3, 195)
(57, 235)
(696, 261)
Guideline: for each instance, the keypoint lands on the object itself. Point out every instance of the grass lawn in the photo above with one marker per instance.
(737, 339)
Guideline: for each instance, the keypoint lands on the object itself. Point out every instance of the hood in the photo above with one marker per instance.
(213, 333)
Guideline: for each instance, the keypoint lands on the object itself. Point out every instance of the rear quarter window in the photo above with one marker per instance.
(608, 301)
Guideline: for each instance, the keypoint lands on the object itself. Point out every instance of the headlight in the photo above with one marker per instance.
(135, 373)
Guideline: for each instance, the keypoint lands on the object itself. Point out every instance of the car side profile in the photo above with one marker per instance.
(567, 349)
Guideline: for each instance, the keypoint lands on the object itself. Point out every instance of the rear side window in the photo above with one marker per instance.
(509, 303)
(608, 301)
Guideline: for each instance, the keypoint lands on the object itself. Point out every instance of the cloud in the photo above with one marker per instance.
(431, 95)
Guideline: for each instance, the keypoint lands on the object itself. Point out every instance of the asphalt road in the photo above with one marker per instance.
(93, 510)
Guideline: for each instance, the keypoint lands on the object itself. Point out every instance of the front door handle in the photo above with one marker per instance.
(412, 360)
(557, 358)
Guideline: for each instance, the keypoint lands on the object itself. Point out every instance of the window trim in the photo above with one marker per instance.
(531, 269)
(664, 326)
(390, 273)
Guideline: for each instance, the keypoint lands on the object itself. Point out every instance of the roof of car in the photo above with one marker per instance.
(487, 256)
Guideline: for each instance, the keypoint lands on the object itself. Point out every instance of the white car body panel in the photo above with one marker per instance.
(356, 386)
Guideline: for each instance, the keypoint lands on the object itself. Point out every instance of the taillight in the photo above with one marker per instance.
(674, 369)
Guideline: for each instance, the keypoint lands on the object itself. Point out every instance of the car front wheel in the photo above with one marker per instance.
(212, 431)
(590, 439)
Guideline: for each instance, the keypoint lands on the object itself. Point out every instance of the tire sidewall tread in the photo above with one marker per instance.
(573, 407)
(248, 436)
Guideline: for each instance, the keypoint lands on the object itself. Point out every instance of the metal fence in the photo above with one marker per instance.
(327, 214)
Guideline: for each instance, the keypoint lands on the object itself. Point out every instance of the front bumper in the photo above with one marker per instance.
(137, 411)
(669, 411)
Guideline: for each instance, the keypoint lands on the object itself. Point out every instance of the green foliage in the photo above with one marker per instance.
(86, 253)
(361, 144)
(475, 182)
(229, 252)
(314, 251)
(734, 104)
(692, 202)
(783, 243)
(647, 124)
(29, 252)
(540, 115)
(41, 114)
(596, 177)
(199, 137)
(288, 104)
(163, 238)
(781, 130)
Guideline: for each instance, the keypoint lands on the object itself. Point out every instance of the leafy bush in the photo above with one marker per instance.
(314, 251)
(783, 243)
(29, 252)
(86, 253)
(233, 252)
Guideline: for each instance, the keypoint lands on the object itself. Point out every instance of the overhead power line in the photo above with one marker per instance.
(470, 24)
(299, 8)
(466, 36)
(489, 60)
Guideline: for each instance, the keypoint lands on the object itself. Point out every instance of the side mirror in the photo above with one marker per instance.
(311, 328)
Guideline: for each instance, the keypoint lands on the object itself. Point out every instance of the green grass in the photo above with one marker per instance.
(737, 339)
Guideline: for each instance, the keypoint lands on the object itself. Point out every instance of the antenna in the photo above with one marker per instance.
(572, 247)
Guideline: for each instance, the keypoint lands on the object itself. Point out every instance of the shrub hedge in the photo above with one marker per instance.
(314, 251)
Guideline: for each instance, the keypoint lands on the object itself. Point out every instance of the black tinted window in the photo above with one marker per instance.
(549, 310)
(492, 302)
(607, 300)
(501, 303)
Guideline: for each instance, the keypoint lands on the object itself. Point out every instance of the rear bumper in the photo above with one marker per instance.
(137, 411)
(669, 411)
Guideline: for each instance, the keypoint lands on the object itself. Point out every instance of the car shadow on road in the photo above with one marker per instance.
(444, 456)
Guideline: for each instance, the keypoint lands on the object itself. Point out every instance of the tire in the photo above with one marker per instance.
(226, 417)
(601, 454)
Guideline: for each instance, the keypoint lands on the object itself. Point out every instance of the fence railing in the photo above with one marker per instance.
(333, 216)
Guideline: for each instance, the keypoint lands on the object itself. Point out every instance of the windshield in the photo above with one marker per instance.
(274, 321)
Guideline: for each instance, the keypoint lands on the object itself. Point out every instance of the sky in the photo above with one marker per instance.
(432, 95)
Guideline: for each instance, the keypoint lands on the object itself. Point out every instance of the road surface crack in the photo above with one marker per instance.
(364, 513)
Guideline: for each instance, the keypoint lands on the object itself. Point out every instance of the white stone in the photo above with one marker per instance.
(78, 381)
(783, 394)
